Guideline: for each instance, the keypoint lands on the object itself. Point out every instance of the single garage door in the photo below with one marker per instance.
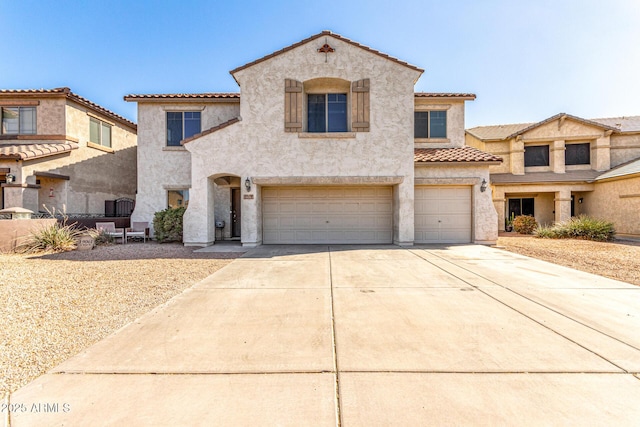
(309, 215)
(442, 214)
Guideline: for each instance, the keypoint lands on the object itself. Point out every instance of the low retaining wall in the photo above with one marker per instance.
(121, 222)
(13, 232)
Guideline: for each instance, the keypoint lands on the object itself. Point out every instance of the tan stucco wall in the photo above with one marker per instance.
(624, 148)
(617, 201)
(258, 146)
(163, 168)
(485, 217)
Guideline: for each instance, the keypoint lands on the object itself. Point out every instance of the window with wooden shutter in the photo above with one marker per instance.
(360, 106)
(292, 106)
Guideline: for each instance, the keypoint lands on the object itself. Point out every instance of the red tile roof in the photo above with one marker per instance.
(182, 96)
(453, 155)
(34, 151)
(445, 95)
(66, 92)
(211, 130)
(325, 34)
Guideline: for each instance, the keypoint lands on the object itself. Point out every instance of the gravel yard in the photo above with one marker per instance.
(55, 305)
(618, 260)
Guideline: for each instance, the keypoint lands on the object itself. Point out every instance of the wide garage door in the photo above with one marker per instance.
(442, 214)
(327, 215)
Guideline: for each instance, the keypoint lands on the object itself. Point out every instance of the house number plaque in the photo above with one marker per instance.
(248, 196)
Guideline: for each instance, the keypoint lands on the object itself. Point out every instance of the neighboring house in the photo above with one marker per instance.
(327, 143)
(565, 166)
(63, 152)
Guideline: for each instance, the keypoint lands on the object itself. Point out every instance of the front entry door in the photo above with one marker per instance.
(235, 212)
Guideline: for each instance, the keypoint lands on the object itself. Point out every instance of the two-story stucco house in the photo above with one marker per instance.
(327, 142)
(60, 150)
(565, 166)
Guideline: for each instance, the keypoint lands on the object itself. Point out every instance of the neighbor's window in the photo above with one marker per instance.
(536, 155)
(577, 154)
(177, 198)
(99, 132)
(327, 112)
(430, 124)
(18, 120)
(519, 207)
(181, 125)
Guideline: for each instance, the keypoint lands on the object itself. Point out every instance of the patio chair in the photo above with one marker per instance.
(110, 229)
(137, 230)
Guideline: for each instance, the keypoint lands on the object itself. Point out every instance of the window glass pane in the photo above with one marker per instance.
(514, 207)
(577, 154)
(106, 135)
(10, 120)
(178, 198)
(28, 120)
(438, 124)
(191, 123)
(94, 131)
(421, 124)
(174, 128)
(337, 110)
(527, 206)
(537, 155)
(316, 113)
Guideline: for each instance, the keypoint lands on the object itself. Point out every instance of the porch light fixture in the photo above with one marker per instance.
(580, 200)
(483, 186)
(247, 184)
(10, 178)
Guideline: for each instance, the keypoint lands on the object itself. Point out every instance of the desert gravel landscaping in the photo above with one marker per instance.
(55, 305)
(618, 260)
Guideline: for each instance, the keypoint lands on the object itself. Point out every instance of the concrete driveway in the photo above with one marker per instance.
(363, 336)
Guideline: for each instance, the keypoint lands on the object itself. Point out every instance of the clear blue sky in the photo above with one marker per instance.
(525, 60)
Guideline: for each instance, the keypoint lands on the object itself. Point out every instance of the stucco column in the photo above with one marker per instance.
(251, 227)
(403, 195)
(517, 156)
(601, 153)
(557, 156)
(563, 205)
(199, 219)
(499, 202)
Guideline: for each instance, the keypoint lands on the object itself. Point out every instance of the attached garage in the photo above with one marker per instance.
(442, 214)
(337, 215)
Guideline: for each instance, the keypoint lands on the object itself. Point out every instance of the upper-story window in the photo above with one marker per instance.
(99, 132)
(577, 154)
(430, 124)
(536, 155)
(181, 125)
(18, 120)
(327, 112)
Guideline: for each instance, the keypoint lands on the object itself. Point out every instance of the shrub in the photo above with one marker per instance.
(168, 225)
(54, 238)
(581, 227)
(101, 237)
(525, 224)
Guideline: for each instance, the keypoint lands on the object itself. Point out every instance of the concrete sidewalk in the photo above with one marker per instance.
(340, 335)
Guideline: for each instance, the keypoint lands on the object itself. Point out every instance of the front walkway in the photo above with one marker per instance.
(319, 335)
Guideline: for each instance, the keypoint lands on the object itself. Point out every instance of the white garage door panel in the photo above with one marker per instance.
(327, 215)
(442, 214)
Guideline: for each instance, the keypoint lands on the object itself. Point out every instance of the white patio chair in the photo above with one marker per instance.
(110, 229)
(137, 230)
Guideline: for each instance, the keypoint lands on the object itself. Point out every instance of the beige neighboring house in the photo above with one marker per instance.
(566, 166)
(327, 142)
(60, 150)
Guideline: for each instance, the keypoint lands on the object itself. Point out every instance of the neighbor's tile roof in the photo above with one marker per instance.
(629, 168)
(533, 177)
(34, 151)
(66, 92)
(453, 155)
(211, 130)
(497, 131)
(625, 124)
(181, 96)
(326, 34)
(445, 95)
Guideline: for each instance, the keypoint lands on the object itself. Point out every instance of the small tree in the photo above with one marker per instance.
(168, 225)
(525, 224)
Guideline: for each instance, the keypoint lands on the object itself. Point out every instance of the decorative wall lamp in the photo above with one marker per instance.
(483, 186)
(10, 178)
(247, 184)
(580, 200)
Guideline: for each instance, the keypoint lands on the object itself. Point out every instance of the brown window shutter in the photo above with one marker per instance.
(360, 106)
(292, 106)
